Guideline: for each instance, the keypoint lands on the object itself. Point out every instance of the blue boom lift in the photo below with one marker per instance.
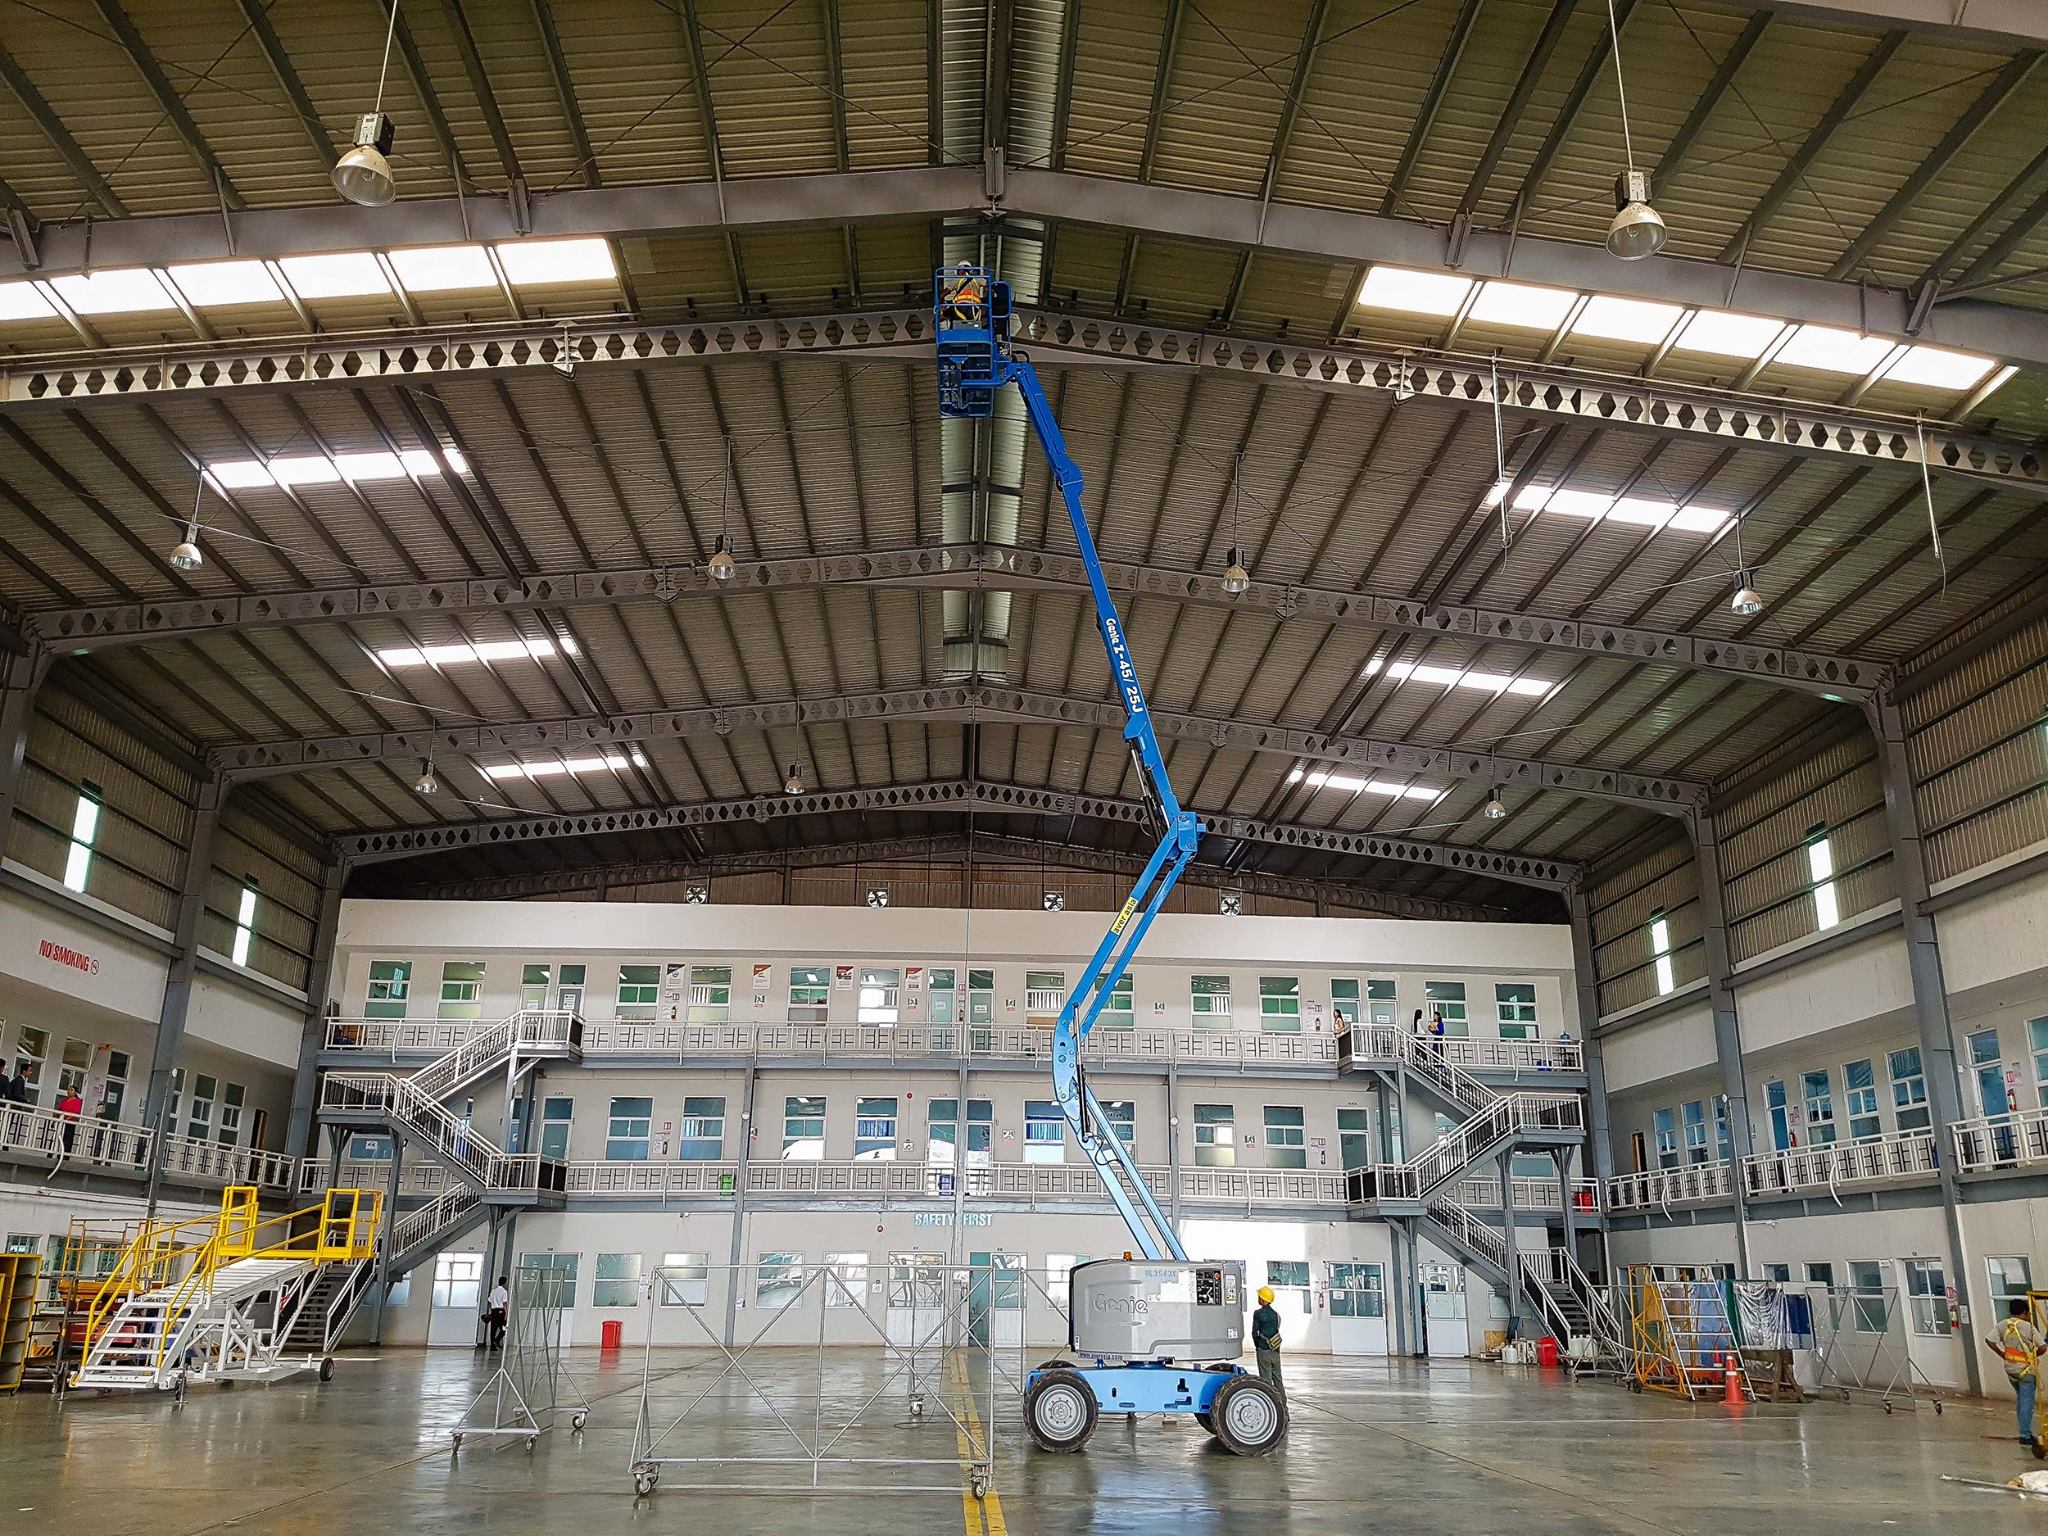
(1144, 1323)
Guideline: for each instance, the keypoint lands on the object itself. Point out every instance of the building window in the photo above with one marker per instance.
(1515, 1001)
(1818, 1089)
(1357, 1290)
(245, 921)
(1446, 1000)
(1215, 1136)
(85, 826)
(1344, 1002)
(2037, 1043)
(1123, 1119)
(199, 1112)
(2011, 1279)
(942, 1131)
(625, 1139)
(1286, 1139)
(1927, 1297)
(1660, 951)
(1377, 1007)
(1667, 1138)
(458, 1281)
(556, 1285)
(556, 1116)
(1859, 1098)
(1209, 1001)
(1280, 1005)
(536, 984)
(390, 984)
(1045, 994)
(1909, 1090)
(803, 1130)
(777, 1279)
(710, 994)
(846, 1280)
(74, 1067)
(1867, 1295)
(809, 988)
(1820, 1274)
(1354, 1138)
(685, 1280)
(881, 995)
(874, 1130)
(1820, 865)
(702, 1138)
(1289, 1279)
(232, 1100)
(1117, 1012)
(1045, 1132)
(1695, 1131)
(462, 990)
(1779, 1274)
(617, 1280)
(1059, 1276)
(639, 992)
(31, 1050)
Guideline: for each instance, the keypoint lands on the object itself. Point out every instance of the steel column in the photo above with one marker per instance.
(1173, 1146)
(20, 676)
(1587, 985)
(177, 1004)
(1506, 1165)
(383, 1281)
(1706, 851)
(312, 1034)
(739, 1205)
(1930, 990)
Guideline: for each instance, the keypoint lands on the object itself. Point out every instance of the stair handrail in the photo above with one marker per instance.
(1469, 1229)
(442, 1211)
(145, 1265)
(1421, 1055)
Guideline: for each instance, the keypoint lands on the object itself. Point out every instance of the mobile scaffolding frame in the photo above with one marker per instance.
(1862, 1348)
(531, 1385)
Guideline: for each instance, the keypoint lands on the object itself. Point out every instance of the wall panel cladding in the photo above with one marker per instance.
(1979, 751)
(145, 807)
(287, 874)
(1624, 903)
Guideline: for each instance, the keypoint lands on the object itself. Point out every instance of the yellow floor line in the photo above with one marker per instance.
(984, 1515)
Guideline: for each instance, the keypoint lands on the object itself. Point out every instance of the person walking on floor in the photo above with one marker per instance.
(1266, 1341)
(500, 1300)
(2020, 1345)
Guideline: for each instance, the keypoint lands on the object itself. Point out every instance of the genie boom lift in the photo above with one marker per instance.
(1141, 1327)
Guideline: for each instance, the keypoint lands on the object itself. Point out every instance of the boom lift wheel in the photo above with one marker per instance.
(1248, 1417)
(1060, 1411)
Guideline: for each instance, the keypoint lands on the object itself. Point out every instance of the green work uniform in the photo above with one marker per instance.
(1266, 1345)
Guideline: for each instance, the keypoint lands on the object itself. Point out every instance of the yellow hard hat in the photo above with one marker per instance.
(1266, 1294)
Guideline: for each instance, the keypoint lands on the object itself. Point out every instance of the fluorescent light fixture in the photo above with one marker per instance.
(304, 469)
(1939, 368)
(240, 474)
(610, 762)
(336, 275)
(216, 284)
(1523, 306)
(1458, 677)
(1418, 293)
(1340, 781)
(24, 301)
(1638, 320)
(1828, 350)
(457, 655)
(556, 261)
(120, 291)
(444, 268)
(1725, 334)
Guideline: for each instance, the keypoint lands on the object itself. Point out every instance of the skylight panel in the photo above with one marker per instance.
(1725, 334)
(1638, 320)
(609, 762)
(336, 275)
(240, 474)
(304, 469)
(464, 653)
(1456, 677)
(556, 261)
(1353, 785)
(24, 301)
(1523, 305)
(216, 284)
(1591, 504)
(120, 291)
(319, 469)
(1641, 511)
(355, 467)
(1939, 368)
(1697, 519)
(1828, 350)
(1417, 293)
(444, 268)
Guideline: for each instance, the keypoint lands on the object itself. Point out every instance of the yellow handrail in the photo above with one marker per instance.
(143, 1264)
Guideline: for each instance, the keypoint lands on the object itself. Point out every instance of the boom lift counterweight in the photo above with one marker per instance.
(1142, 1314)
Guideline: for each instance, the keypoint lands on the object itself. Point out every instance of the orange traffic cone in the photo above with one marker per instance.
(1731, 1391)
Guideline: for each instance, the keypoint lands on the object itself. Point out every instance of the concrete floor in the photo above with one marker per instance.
(1375, 1447)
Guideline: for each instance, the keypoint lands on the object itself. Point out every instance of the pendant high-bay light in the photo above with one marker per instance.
(1637, 230)
(186, 556)
(363, 175)
(426, 783)
(719, 567)
(1747, 602)
(794, 784)
(1494, 809)
(1236, 579)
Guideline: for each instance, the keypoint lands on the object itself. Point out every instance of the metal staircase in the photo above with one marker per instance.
(1573, 1307)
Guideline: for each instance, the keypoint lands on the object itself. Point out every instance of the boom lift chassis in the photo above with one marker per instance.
(1130, 1317)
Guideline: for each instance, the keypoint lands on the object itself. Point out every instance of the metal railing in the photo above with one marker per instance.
(1890, 1158)
(1481, 1237)
(1656, 1189)
(1507, 1116)
(437, 1215)
(111, 1147)
(1986, 1144)
(452, 1139)
(1392, 1042)
(1530, 1194)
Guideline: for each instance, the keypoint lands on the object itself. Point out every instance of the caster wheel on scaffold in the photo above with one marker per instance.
(531, 1442)
(576, 1424)
(456, 1438)
(644, 1480)
(979, 1482)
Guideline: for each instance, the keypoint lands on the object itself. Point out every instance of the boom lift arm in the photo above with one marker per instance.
(972, 312)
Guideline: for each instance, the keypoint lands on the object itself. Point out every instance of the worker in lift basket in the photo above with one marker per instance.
(1266, 1341)
(2020, 1345)
(966, 298)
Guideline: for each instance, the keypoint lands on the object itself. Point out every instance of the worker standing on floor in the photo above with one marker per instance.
(2020, 1345)
(1266, 1341)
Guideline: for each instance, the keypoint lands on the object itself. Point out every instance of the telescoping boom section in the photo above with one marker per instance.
(1116, 1307)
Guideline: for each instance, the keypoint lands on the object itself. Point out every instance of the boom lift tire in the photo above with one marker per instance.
(1060, 1411)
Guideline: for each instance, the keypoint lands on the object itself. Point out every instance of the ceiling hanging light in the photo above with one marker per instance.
(363, 175)
(187, 555)
(1236, 579)
(426, 783)
(1493, 810)
(1747, 601)
(1637, 230)
(720, 567)
(794, 784)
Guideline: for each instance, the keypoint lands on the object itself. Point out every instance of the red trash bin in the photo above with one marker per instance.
(613, 1334)
(1546, 1352)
